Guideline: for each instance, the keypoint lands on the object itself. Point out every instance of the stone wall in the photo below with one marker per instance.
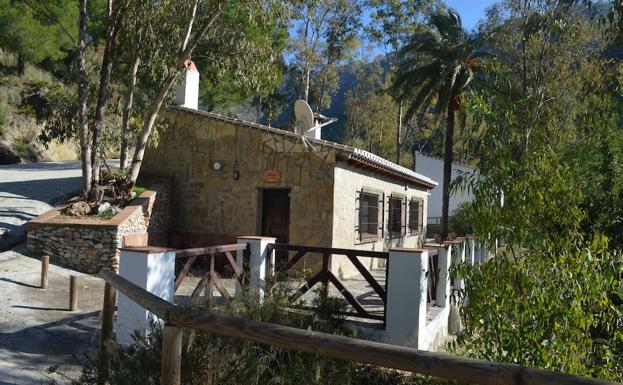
(88, 245)
(217, 206)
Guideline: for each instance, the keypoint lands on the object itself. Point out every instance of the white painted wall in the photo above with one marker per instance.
(153, 271)
(432, 167)
(260, 258)
(348, 181)
(406, 297)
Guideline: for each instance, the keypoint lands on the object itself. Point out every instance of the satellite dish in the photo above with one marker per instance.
(304, 116)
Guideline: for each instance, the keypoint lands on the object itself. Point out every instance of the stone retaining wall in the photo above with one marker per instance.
(88, 245)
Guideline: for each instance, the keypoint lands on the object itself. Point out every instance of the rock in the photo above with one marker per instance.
(78, 209)
(132, 195)
(116, 210)
(7, 155)
(103, 207)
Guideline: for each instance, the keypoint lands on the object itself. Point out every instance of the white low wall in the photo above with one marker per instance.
(150, 268)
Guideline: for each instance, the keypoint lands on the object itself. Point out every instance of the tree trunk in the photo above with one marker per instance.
(83, 124)
(321, 96)
(21, 65)
(399, 134)
(127, 109)
(102, 95)
(154, 108)
(148, 124)
(447, 172)
(307, 71)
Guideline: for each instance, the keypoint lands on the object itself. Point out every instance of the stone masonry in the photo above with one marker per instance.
(217, 206)
(88, 245)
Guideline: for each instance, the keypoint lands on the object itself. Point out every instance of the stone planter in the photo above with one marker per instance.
(90, 244)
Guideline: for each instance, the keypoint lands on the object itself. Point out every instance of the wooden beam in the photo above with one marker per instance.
(331, 250)
(149, 301)
(209, 250)
(171, 355)
(73, 293)
(108, 316)
(366, 274)
(234, 266)
(349, 297)
(216, 280)
(184, 272)
(293, 261)
(376, 353)
(308, 285)
(349, 349)
(45, 264)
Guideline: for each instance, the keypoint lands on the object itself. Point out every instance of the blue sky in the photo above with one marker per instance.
(471, 11)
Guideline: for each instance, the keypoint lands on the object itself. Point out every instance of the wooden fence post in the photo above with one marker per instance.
(209, 290)
(108, 315)
(45, 264)
(171, 355)
(326, 262)
(73, 293)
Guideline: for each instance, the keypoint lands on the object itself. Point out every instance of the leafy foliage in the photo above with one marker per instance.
(546, 141)
(34, 36)
(556, 308)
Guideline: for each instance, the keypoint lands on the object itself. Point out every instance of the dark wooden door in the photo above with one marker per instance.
(276, 218)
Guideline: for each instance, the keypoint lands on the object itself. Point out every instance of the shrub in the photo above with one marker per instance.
(556, 308)
(211, 359)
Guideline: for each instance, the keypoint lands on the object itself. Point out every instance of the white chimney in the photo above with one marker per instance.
(187, 93)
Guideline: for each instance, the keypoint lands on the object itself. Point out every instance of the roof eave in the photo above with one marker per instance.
(370, 165)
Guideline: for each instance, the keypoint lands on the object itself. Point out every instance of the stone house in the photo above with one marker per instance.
(233, 178)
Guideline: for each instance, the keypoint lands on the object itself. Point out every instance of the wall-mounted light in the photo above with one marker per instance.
(217, 166)
(236, 174)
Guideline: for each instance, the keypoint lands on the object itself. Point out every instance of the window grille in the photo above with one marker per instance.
(395, 220)
(416, 218)
(368, 215)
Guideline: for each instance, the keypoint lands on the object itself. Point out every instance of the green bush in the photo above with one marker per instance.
(557, 308)
(211, 359)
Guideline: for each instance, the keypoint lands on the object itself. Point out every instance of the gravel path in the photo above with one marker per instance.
(28, 190)
(37, 331)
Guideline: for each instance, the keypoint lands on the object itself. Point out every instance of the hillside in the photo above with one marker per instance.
(18, 126)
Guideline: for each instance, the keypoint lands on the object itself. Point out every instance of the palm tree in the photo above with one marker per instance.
(436, 66)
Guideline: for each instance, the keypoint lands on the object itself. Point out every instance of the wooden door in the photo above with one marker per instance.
(276, 218)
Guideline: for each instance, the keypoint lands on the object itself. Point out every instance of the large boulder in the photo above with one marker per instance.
(78, 209)
(7, 155)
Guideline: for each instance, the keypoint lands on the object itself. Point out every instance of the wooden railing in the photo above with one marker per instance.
(211, 279)
(325, 276)
(389, 356)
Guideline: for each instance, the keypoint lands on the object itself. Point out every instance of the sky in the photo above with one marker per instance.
(471, 11)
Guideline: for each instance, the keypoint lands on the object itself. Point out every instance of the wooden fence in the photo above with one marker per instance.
(211, 278)
(325, 276)
(390, 356)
